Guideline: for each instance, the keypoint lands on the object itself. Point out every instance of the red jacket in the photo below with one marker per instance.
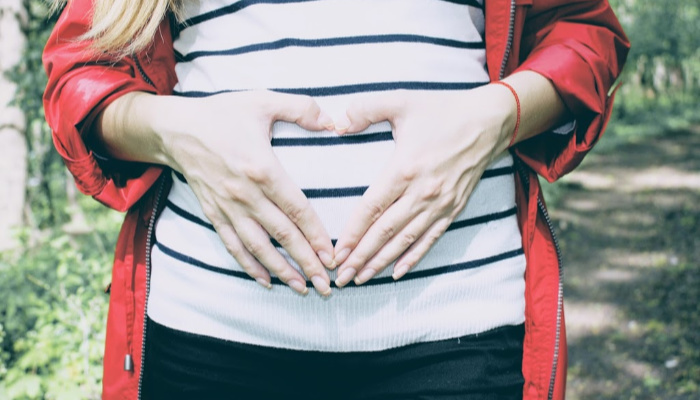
(577, 44)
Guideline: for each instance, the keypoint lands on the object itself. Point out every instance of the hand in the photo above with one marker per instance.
(222, 146)
(444, 142)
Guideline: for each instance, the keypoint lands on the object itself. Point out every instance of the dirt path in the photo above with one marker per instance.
(629, 223)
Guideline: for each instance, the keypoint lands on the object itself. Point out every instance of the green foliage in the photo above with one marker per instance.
(52, 304)
(661, 28)
(54, 310)
(662, 74)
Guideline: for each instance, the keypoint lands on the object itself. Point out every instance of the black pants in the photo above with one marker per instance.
(182, 365)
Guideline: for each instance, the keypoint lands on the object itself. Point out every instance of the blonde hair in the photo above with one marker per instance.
(123, 27)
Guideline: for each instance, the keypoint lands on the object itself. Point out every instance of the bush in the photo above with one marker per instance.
(52, 320)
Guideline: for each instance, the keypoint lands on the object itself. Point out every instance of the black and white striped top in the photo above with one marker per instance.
(336, 50)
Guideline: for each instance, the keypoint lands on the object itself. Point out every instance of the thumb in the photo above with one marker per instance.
(301, 110)
(370, 109)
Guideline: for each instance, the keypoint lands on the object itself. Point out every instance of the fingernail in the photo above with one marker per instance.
(342, 125)
(345, 277)
(321, 285)
(400, 271)
(264, 283)
(364, 276)
(326, 259)
(326, 121)
(341, 256)
(298, 286)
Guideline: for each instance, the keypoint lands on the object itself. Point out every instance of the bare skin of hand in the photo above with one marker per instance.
(221, 144)
(444, 142)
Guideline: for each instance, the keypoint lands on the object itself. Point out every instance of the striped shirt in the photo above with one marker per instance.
(337, 51)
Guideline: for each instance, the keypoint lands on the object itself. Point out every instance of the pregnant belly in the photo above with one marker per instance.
(333, 171)
(470, 281)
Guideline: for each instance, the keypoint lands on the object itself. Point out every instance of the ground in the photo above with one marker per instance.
(629, 223)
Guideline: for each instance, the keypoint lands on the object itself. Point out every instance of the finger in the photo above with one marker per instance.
(230, 239)
(377, 198)
(286, 233)
(420, 248)
(301, 110)
(281, 190)
(395, 247)
(369, 110)
(236, 248)
(257, 242)
(392, 221)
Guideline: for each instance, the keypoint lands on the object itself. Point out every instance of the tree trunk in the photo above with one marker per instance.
(13, 144)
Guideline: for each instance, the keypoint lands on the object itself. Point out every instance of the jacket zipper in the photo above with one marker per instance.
(151, 224)
(149, 238)
(141, 71)
(509, 43)
(560, 297)
(560, 292)
(548, 220)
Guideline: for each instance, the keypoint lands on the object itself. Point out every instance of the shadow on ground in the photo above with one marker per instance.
(629, 223)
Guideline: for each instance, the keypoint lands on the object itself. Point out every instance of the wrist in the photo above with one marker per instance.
(165, 118)
(509, 104)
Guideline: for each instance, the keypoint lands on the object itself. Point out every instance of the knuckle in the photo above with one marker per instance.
(221, 225)
(257, 173)
(433, 237)
(387, 232)
(375, 211)
(212, 215)
(408, 239)
(409, 172)
(234, 190)
(237, 253)
(256, 249)
(456, 204)
(283, 236)
(432, 190)
(295, 213)
(442, 199)
(447, 203)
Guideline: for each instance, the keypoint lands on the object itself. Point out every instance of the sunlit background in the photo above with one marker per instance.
(628, 220)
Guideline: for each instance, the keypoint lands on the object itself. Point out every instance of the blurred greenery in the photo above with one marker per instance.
(52, 304)
(52, 301)
(54, 310)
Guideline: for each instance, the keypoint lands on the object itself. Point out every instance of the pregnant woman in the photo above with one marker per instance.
(379, 152)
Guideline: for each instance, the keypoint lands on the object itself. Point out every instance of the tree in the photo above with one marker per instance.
(13, 145)
(665, 41)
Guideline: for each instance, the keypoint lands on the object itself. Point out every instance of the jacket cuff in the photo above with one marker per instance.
(107, 181)
(553, 156)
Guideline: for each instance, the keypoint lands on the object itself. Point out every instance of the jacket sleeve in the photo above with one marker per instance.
(80, 85)
(580, 47)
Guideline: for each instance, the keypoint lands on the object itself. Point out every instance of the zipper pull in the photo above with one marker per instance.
(128, 363)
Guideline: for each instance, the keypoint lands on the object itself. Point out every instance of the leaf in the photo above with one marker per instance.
(26, 386)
